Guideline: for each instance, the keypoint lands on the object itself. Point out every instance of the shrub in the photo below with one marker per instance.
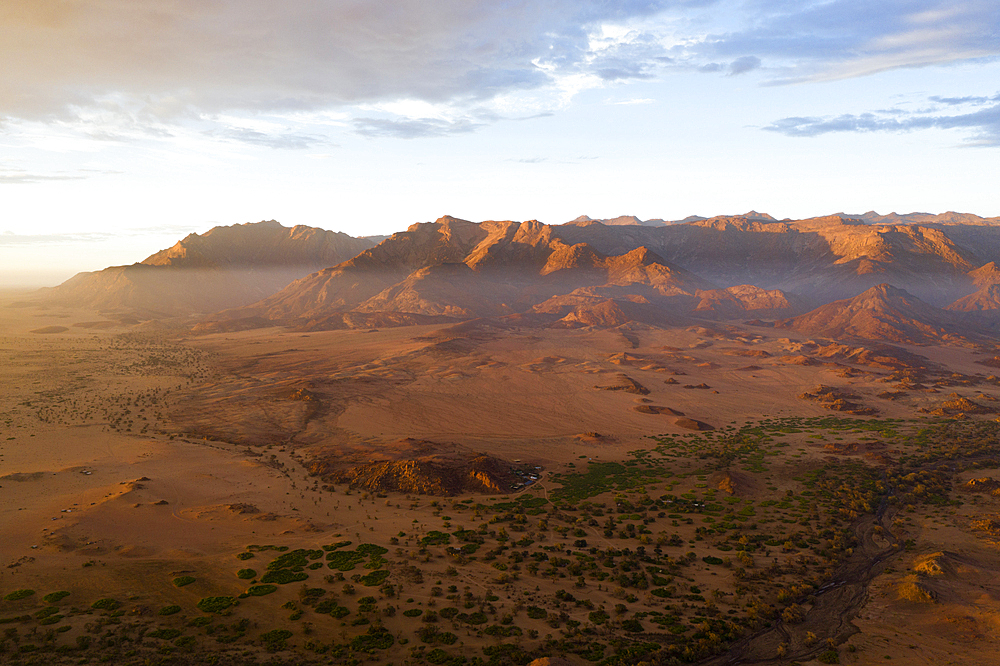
(632, 625)
(215, 604)
(344, 560)
(185, 641)
(536, 613)
(276, 639)
(165, 634)
(339, 612)
(371, 549)
(181, 581)
(828, 657)
(435, 538)
(261, 590)
(246, 574)
(475, 618)
(374, 578)
(289, 560)
(598, 617)
(377, 638)
(498, 630)
(55, 597)
(438, 656)
(413, 612)
(284, 576)
(170, 610)
(17, 595)
(245, 556)
(106, 604)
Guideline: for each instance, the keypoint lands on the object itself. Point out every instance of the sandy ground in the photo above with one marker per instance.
(128, 459)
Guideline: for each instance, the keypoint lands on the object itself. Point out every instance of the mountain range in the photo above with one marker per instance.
(913, 278)
(222, 268)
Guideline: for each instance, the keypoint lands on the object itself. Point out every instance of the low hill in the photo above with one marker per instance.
(881, 313)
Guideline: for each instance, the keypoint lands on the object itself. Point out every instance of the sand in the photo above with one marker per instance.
(129, 458)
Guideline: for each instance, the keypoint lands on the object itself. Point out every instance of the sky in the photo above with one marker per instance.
(127, 124)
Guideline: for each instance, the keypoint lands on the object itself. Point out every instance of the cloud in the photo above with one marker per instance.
(34, 177)
(129, 70)
(744, 65)
(847, 38)
(983, 123)
(410, 129)
(631, 102)
(9, 238)
(181, 56)
(20, 176)
(279, 140)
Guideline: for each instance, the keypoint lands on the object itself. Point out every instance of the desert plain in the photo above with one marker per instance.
(486, 493)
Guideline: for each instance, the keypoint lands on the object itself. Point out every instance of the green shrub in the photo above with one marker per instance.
(377, 638)
(55, 597)
(413, 612)
(435, 538)
(185, 641)
(438, 656)
(536, 613)
(632, 625)
(371, 549)
(199, 622)
(504, 632)
(215, 604)
(339, 612)
(246, 574)
(598, 617)
(474, 618)
(106, 604)
(374, 578)
(276, 639)
(344, 560)
(261, 590)
(283, 577)
(181, 581)
(245, 556)
(290, 560)
(170, 610)
(828, 657)
(448, 613)
(165, 634)
(51, 619)
(17, 595)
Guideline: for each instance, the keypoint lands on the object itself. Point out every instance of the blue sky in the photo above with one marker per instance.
(125, 124)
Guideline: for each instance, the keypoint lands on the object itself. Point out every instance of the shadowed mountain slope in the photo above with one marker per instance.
(880, 313)
(822, 258)
(223, 268)
(462, 269)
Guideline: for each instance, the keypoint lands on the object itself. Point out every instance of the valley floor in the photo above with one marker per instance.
(603, 496)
